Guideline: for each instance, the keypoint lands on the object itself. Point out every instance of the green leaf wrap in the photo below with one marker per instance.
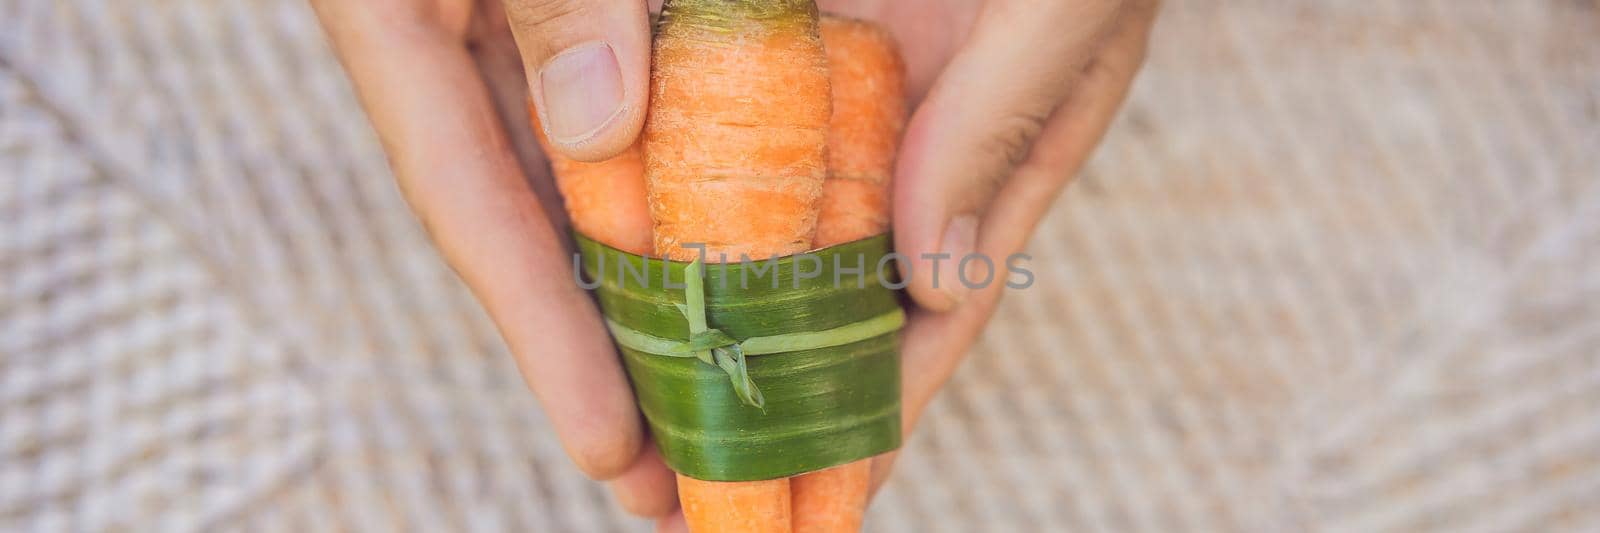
(822, 407)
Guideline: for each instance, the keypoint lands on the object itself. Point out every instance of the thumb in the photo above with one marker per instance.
(977, 124)
(588, 65)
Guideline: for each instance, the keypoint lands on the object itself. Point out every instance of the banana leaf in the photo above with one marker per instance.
(814, 337)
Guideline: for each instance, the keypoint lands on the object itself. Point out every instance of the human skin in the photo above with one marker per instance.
(1009, 98)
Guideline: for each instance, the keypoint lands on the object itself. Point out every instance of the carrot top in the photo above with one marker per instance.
(740, 16)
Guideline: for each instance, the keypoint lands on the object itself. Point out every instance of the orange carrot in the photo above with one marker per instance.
(734, 507)
(831, 500)
(605, 200)
(867, 79)
(735, 155)
(869, 111)
(736, 134)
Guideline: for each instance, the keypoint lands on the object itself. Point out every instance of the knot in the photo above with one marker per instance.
(716, 348)
(712, 346)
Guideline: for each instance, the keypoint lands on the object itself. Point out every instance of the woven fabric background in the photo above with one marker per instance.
(1337, 267)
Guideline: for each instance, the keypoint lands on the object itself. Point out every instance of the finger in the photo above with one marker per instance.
(1073, 132)
(977, 123)
(500, 63)
(934, 342)
(588, 65)
(647, 488)
(451, 159)
(673, 523)
(882, 465)
(934, 346)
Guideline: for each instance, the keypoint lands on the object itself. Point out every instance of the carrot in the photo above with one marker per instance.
(605, 200)
(736, 506)
(868, 83)
(831, 500)
(869, 111)
(736, 134)
(735, 155)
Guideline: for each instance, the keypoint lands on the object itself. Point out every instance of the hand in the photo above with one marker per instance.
(442, 82)
(1010, 97)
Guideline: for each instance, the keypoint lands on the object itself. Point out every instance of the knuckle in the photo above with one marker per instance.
(1013, 137)
(1001, 151)
(1118, 66)
(387, 18)
(598, 465)
(604, 460)
(544, 13)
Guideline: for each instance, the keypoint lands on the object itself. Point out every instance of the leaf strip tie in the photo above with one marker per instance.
(713, 347)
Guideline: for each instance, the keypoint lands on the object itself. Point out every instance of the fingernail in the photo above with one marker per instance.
(582, 92)
(960, 239)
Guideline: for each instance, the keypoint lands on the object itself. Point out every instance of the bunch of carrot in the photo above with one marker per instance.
(771, 131)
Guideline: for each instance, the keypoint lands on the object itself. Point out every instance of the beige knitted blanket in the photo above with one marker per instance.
(1336, 268)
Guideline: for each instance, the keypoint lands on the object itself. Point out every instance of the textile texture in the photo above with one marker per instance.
(1335, 268)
